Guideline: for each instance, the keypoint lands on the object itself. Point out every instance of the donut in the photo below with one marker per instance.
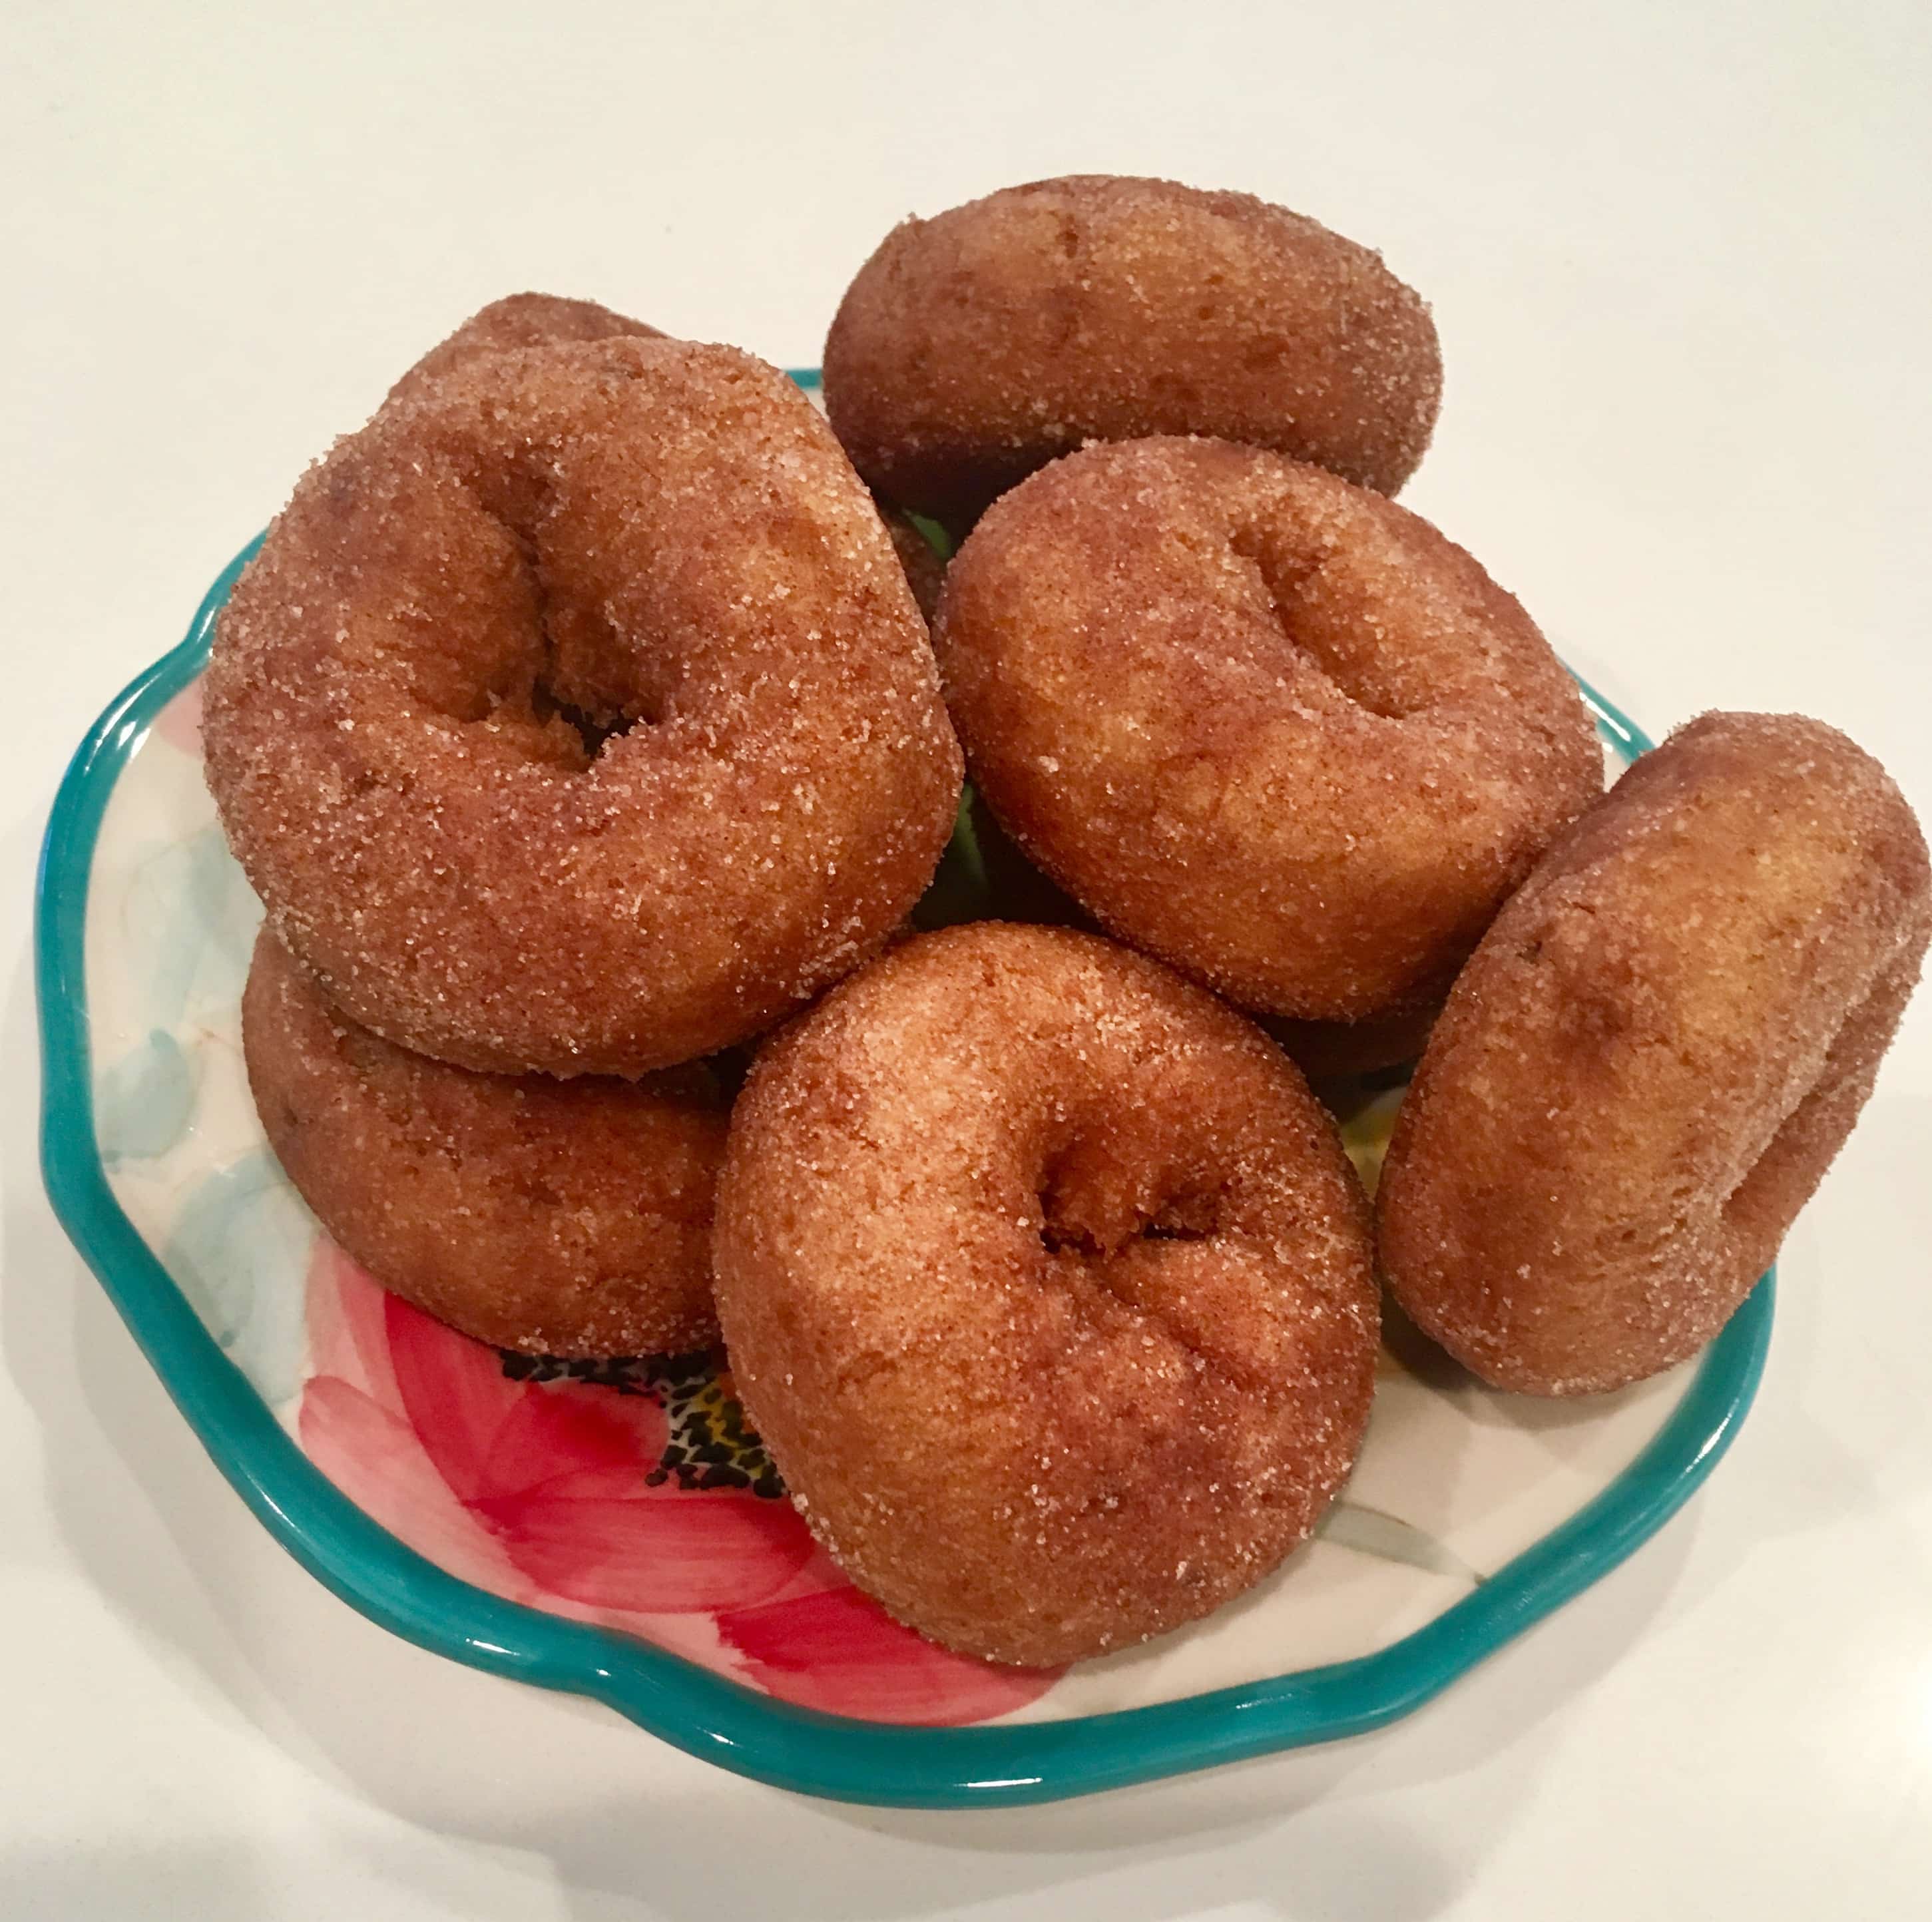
(1654, 1054)
(562, 1217)
(1049, 1286)
(575, 716)
(975, 347)
(1260, 722)
(516, 322)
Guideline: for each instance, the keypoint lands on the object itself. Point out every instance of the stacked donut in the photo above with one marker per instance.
(575, 723)
(580, 727)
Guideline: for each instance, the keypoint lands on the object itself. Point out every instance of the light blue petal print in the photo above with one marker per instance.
(143, 1101)
(1370, 1531)
(240, 1251)
(191, 916)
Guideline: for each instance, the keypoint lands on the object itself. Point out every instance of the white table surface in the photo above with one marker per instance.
(1677, 257)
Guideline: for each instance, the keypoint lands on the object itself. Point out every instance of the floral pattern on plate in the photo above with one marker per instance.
(634, 1498)
(552, 1492)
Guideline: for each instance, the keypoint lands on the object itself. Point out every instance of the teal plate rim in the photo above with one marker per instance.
(703, 1713)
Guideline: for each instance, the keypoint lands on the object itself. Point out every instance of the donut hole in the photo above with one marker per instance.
(549, 721)
(1760, 1208)
(1186, 1218)
(1060, 1235)
(1289, 573)
(563, 682)
(595, 731)
(1142, 1257)
(1088, 1210)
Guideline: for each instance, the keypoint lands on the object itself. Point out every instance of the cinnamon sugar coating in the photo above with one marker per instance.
(576, 716)
(559, 1218)
(1048, 1283)
(516, 322)
(1329, 1053)
(1660, 1044)
(976, 346)
(1263, 724)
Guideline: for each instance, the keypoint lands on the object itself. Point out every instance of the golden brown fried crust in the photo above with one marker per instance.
(1329, 1053)
(1335, 1050)
(516, 322)
(411, 693)
(1263, 724)
(924, 569)
(1660, 1044)
(559, 1218)
(977, 346)
(1048, 1283)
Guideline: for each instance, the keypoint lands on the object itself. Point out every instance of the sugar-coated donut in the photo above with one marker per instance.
(576, 716)
(977, 346)
(1660, 1044)
(516, 322)
(1048, 1286)
(1261, 723)
(564, 1217)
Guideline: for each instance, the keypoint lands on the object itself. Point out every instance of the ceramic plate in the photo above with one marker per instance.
(616, 1530)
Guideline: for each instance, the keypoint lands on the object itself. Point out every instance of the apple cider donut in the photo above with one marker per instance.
(977, 346)
(1048, 1286)
(1266, 725)
(576, 716)
(563, 1218)
(1659, 1047)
